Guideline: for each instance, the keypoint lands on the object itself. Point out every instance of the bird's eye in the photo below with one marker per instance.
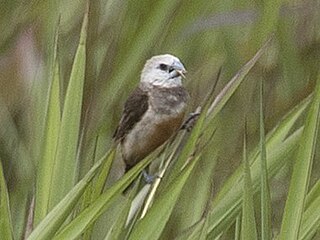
(163, 67)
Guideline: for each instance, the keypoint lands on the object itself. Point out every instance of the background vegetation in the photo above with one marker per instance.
(249, 169)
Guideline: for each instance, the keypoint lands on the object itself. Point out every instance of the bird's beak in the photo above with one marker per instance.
(179, 70)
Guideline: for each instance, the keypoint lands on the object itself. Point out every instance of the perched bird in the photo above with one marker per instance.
(154, 110)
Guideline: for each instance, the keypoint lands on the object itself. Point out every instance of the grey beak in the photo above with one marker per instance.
(179, 70)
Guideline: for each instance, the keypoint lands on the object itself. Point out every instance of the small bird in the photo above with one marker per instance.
(154, 111)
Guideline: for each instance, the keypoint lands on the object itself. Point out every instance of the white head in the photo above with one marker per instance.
(163, 71)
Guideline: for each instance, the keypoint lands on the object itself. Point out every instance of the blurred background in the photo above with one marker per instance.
(122, 35)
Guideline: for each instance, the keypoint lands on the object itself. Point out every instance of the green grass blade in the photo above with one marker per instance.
(265, 191)
(227, 206)
(204, 230)
(273, 139)
(49, 226)
(96, 189)
(313, 194)
(47, 158)
(6, 229)
(311, 218)
(248, 225)
(192, 232)
(187, 149)
(118, 227)
(65, 163)
(102, 178)
(237, 230)
(268, 21)
(301, 172)
(234, 83)
(87, 217)
(160, 211)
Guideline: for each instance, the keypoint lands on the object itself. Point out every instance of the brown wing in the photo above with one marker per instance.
(134, 108)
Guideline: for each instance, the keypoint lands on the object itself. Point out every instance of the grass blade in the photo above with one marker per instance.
(6, 229)
(232, 86)
(87, 217)
(248, 225)
(160, 212)
(301, 172)
(48, 227)
(237, 230)
(311, 218)
(227, 203)
(47, 158)
(265, 191)
(65, 163)
(118, 229)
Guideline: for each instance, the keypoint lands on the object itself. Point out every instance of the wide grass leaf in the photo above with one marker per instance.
(49, 226)
(65, 166)
(88, 216)
(48, 150)
(301, 172)
(311, 218)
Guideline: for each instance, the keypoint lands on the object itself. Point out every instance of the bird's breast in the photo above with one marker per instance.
(148, 134)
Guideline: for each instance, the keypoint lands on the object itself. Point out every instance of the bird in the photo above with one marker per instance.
(154, 111)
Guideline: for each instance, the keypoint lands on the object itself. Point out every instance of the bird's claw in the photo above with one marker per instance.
(148, 178)
(191, 120)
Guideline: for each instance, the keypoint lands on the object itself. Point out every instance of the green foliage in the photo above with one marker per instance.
(248, 226)
(6, 229)
(301, 172)
(66, 68)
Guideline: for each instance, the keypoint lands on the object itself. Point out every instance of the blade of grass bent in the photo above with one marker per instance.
(234, 83)
(301, 172)
(88, 216)
(65, 163)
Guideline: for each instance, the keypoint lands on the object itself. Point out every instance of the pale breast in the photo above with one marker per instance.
(150, 133)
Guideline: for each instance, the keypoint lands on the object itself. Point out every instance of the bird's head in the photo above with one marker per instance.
(163, 71)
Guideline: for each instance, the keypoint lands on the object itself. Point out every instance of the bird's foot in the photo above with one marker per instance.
(191, 120)
(148, 178)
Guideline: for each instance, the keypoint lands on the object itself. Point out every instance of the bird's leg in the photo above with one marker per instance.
(191, 120)
(148, 178)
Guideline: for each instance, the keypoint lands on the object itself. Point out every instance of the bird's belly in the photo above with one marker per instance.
(151, 132)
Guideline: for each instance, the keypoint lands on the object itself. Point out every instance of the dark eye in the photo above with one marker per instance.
(163, 67)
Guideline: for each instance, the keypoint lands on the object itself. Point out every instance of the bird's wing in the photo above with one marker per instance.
(134, 108)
